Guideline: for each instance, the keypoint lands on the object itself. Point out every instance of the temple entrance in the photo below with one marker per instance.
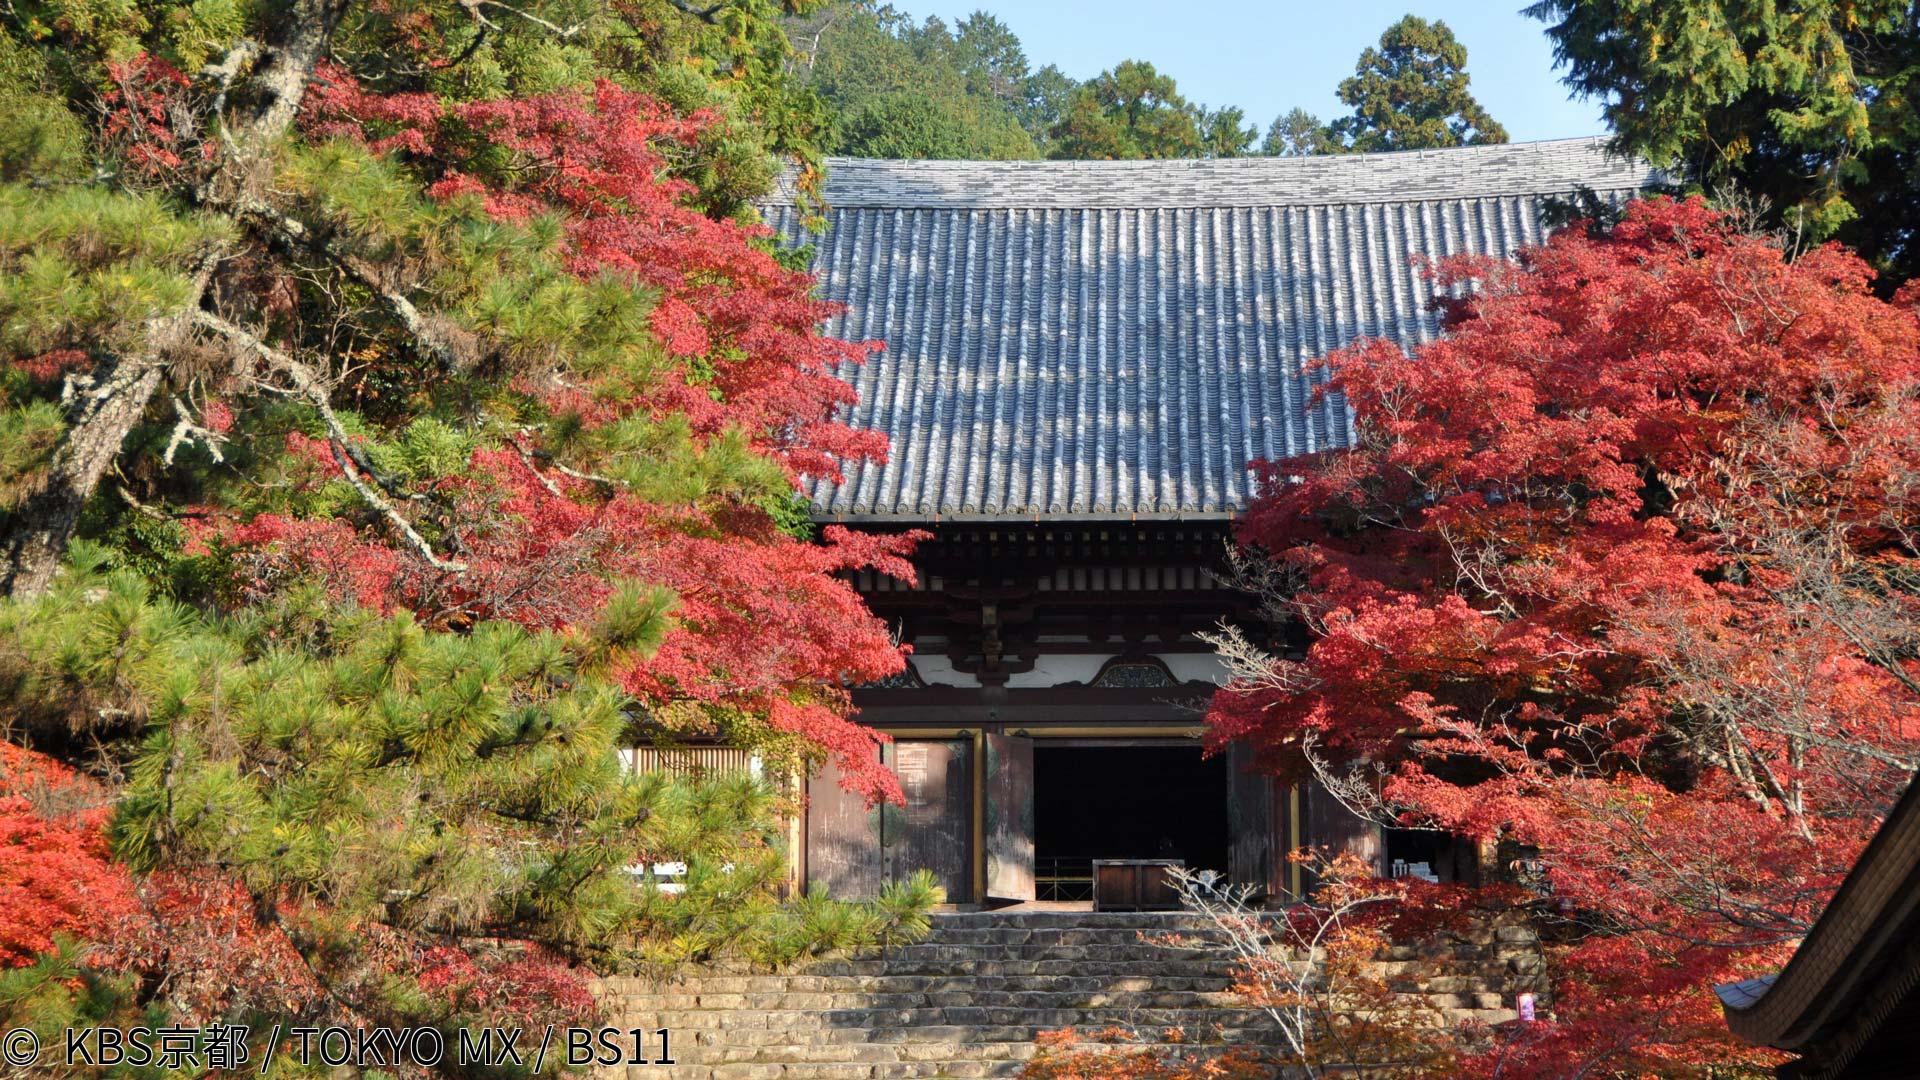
(1003, 818)
(1123, 802)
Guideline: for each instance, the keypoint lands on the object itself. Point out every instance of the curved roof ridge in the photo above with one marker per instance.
(1507, 169)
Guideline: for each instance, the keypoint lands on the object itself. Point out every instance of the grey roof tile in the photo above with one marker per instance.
(1110, 340)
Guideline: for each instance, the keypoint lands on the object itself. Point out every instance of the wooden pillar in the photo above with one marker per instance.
(1332, 829)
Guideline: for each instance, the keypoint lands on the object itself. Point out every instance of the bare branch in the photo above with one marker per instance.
(310, 385)
(473, 8)
(186, 431)
(430, 339)
(526, 458)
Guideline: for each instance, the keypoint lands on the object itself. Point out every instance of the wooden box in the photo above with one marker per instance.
(1134, 885)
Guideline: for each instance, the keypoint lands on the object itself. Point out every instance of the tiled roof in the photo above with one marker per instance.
(1111, 340)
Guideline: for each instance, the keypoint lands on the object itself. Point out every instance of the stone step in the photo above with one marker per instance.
(1101, 962)
(1076, 948)
(1254, 1031)
(971, 999)
(878, 998)
(1064, 934)
(957, 1068)
(631, 987)
(1065, 920)
(911, 1024)
(880, 1054)
(1476, 996)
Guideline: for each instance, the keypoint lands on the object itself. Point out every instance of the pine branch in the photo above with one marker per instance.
(429, 339)
(562, 32)
(311, 386)
(528, 456)
(38, 530)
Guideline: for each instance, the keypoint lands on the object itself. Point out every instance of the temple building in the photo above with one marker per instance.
(1847, 1005)
(1080, 360)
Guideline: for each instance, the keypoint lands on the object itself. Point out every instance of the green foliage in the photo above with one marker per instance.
(898, 88)
(1224, 132)
(1131, 111)
(905, 124)
(1044, 103)
(806, 927)
(1299, 133)
(1814, 106)
(1411, 93)
(792, 513)
(444, 783)
(40, 138)
(28, 434)
(636, 617)
(57, 993)
(81, 263)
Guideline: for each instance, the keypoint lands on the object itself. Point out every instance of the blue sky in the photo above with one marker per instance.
(1269, 57)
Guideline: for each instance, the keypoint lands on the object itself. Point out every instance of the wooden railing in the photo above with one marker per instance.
(1063, 878)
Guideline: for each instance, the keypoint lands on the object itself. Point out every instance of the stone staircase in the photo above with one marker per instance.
(969, 1000)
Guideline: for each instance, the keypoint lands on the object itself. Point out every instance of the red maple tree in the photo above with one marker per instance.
(1620, 570)
(55, 878)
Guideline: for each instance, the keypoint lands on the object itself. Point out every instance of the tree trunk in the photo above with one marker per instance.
(266, 103)
(40, 527)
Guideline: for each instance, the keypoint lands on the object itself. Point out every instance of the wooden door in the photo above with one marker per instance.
(931, 831)
(1256, 853)
(1009, 817)
(843, 839)
(1333, 829)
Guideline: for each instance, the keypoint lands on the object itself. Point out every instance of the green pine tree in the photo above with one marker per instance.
(1814, 107)
(295, 351)
(1410, 93)
(1298, 133)
(1131, 111)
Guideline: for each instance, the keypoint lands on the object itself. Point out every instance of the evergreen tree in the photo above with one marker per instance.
(1131, 111)
(1224, 132)
(1811, 105)
(1410, 93)
(1044, 104)
(1299, 133)
(905, 124)
(394, 423)
(897, 88)
(990, 58)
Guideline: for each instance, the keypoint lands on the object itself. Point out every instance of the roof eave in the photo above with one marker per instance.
(1046, 518)
(1869, 920)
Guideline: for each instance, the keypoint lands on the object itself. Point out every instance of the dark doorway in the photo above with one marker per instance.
(1124, 802)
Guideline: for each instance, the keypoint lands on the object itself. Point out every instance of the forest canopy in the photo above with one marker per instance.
(896, 87)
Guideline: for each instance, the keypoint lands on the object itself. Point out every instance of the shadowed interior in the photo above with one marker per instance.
(1130, 802)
